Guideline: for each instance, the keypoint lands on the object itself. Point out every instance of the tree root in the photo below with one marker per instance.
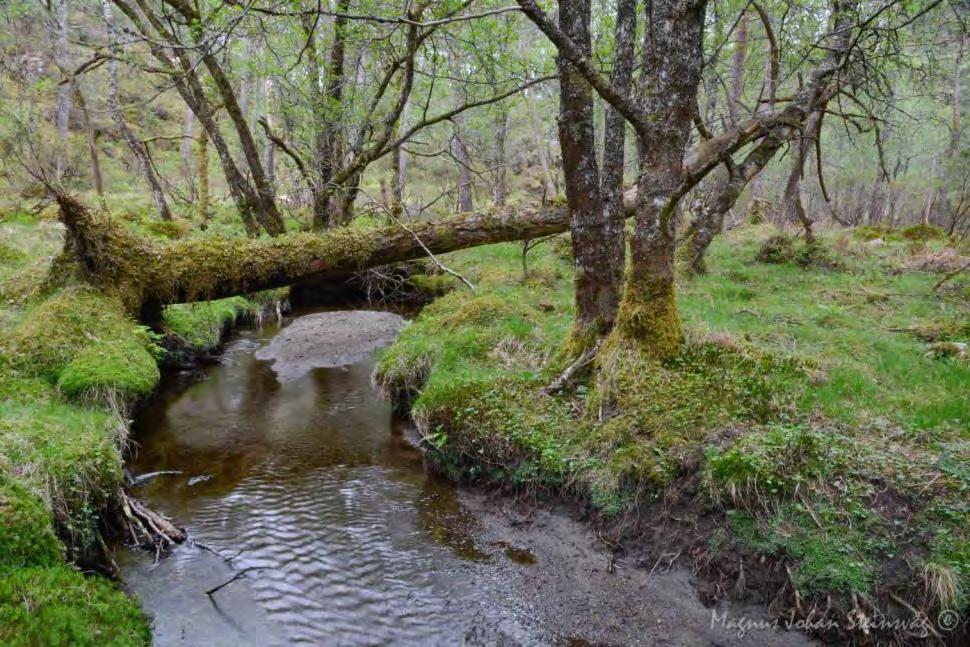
(146, 528)
(573, 370)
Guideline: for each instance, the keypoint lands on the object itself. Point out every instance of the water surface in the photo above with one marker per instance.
(313, 521)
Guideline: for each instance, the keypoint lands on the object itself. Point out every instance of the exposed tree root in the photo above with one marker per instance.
(573, 371)
(146, 528)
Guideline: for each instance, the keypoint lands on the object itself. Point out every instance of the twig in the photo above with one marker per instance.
(949, 276)
(141, 478)
(238, 576)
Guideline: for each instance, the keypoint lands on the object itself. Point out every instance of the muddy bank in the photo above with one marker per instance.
(296, 479)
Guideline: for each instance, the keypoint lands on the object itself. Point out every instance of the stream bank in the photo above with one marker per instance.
(312, 519)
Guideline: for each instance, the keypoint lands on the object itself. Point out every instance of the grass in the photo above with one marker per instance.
(805, 401)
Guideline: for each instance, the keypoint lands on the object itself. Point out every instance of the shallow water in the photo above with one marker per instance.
(315, 521)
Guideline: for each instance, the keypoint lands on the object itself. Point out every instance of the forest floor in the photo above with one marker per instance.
(809, 447)
(818, 419)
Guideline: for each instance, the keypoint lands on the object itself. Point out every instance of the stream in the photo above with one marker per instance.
(312, 520)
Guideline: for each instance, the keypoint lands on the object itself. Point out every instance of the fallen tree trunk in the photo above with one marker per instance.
(148, 274)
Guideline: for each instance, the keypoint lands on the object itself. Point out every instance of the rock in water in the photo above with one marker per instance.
(329, 339)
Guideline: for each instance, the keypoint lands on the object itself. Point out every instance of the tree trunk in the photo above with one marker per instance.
(614, 143)
(329, 207)
(535, 128)
(672, 63)
(500, 190)
(792, 208)
(738, 59)
(203, 179)
(62, 57)
(596, 289)
(398, 179)
(137, 147)
(147, 274)
(269, 152)
(463, 162)
(709, 220)
(92, 144)
(185, 149)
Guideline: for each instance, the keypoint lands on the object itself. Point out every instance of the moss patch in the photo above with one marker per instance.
(88, 332)
(60, 606)
(26, 533)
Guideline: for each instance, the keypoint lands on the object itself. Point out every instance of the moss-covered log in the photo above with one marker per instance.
(147, 274)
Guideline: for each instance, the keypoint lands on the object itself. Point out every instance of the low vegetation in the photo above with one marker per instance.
(806, 419)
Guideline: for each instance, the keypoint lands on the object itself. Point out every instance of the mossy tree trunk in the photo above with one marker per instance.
(594, 201)
(672, 64)
(148, 274)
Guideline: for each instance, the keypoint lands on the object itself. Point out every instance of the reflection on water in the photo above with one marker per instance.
(345, 537)
(311, 521)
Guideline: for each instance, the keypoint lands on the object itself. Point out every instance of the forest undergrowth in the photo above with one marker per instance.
(808, 446)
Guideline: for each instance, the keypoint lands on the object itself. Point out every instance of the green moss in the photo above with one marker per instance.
(923, 232)
(135, 268)
(54, 333)
(10, 254)
(60, 606)
(778, 462)
(649, 320)
(26, 533)
(200, 326)
(123, 368)
(776, 249)
(507, 425)
(433, 285)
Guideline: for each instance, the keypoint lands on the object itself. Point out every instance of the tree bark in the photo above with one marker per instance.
(596, 289)
(147, 274)
(672, 64)
(137, 147)
(463, 162)
(614, 144)
(792, 208)
(738, 59)
(203, 172)
(62, 58)
(500, 190)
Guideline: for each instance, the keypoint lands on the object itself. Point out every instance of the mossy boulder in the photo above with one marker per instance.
(60, 606)
(923, 232)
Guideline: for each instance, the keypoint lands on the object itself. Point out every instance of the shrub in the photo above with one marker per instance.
(779, 248)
